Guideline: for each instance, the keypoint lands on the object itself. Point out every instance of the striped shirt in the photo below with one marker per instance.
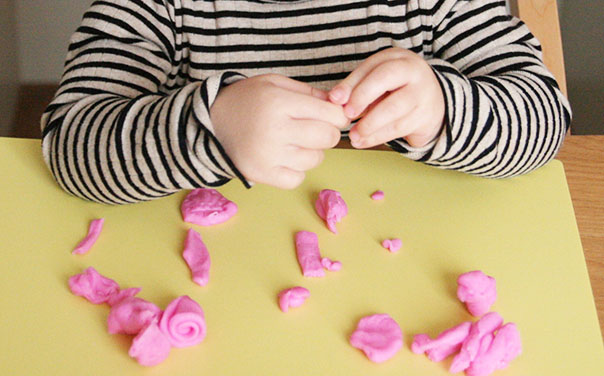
(130, 121)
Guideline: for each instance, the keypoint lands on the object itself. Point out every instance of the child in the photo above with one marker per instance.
(162, 95)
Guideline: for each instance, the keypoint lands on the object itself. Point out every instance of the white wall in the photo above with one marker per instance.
(44, 28)
(9, 75)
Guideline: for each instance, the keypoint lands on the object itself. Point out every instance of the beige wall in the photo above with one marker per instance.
(8, 73)
(44, 28)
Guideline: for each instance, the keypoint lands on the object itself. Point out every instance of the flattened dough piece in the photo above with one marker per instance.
(331, 207)
(309, 256)
(207, 207)
(94, 230)
(197, 257)
(378, 336)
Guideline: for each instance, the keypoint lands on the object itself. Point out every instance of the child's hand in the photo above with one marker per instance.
(400, 94)
(274, 128)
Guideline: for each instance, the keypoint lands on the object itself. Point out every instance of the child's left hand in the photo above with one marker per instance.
(400, 94)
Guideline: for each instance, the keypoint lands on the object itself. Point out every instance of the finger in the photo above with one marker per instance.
(399, 128)
(312, 134)
(312, 108)
(285, 178)
(386, 77)
(340, 94)
(290, 84)
(299, 159)
(396, 105)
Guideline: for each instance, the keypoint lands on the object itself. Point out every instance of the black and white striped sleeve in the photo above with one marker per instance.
(505, 114)
(115, 132)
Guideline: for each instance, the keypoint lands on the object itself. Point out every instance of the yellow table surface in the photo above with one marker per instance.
(522, 231)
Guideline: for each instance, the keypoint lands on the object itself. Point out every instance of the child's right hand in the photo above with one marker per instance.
(274, 128)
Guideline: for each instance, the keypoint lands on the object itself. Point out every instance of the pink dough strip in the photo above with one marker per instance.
(309, 256)
(447, 343)
(504, 347)
(471, 346)
(197, 257)
(94, 230)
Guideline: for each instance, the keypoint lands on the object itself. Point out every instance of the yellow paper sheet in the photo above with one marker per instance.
(521, 231)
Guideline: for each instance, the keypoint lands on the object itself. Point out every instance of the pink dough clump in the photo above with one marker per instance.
(292, 297)
(131, 315)
(477, 290)
(309, 256)
(197, 258)
(207, 207)
(150, 347)
(393, 245)
(331, 208)
(332, 266)
(183, 322)
(378, 336)
(94, 230)
(377, 195)
(92, 286)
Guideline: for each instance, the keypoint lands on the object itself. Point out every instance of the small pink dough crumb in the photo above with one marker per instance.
(504, 347)
(94, 230)
(332, 266)
(470, 348)
(292, 297)
(378, 336)
(331, 207)
(309, 256)
(183, 322)
(477, 290)
(393, 245)
(207, 207)
(93, 286)
(131, 315)
(447, 343)
(377, 195)
(197, 257)
(150, 347)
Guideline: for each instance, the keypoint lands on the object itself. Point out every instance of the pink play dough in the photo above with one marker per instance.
(123, 294)
(471, 345)
(206, 207)
(393, 245)
(94, 230)
(150, 347)
(331, 207)
(292, 297)
(478, 291)
(378, 336)
(309, 256)
(183, 322)
(504, 347)
(332, 266)
(447, 343)
(197, 257)
(377, 195)
(93, 286)
(131, 315)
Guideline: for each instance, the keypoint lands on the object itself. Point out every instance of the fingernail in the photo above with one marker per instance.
(337, 94)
